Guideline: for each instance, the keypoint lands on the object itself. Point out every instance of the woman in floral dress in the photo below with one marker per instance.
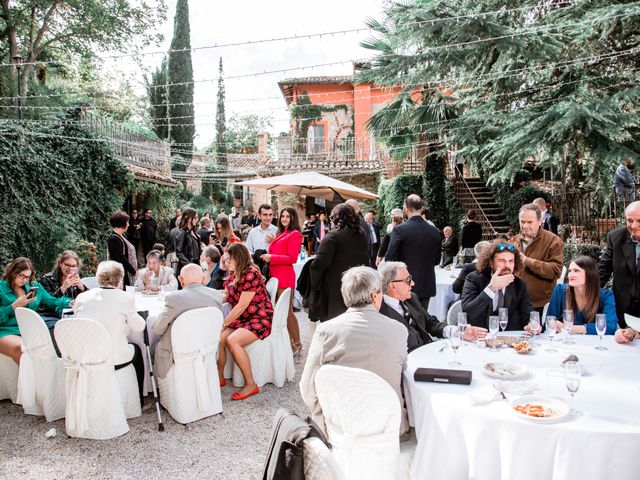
(250, 318)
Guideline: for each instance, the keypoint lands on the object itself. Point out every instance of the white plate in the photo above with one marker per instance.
(515, 370)
(560, 408)
(150, 294)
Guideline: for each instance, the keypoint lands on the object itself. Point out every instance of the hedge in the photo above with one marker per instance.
(511, 199)
(573, 250)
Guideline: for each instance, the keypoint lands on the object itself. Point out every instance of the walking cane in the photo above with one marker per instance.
(144, 315)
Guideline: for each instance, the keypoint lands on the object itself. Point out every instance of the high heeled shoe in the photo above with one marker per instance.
(223, 382)
(239, 396)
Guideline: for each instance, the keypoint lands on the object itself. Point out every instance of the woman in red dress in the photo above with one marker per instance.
(282, 254)
(249, 320)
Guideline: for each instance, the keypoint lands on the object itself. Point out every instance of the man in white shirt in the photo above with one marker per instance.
(261, 236)
(400, 304)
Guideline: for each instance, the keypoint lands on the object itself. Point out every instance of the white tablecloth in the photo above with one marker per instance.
(439, 305)
(459, 441)
(297, 267)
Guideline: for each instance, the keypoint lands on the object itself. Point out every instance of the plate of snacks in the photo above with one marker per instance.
(504, 370)
(150, 293)
(522, 347)
(539, 408)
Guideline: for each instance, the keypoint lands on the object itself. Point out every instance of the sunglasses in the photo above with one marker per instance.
(407, 280)
(506, 246)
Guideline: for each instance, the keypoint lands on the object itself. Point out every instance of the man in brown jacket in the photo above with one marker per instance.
(541, 254)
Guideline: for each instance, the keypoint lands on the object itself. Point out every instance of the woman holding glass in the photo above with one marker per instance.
(584, 298)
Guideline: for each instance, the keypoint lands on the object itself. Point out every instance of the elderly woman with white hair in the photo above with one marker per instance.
(115, 309)
(361, 338)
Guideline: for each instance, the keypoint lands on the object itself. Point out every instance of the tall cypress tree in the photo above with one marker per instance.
(221, 127)
(157, 94)
(180, 87)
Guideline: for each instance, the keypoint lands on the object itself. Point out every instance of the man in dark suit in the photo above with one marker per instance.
(621, 259)
(400, 304)
(172, 222)
(467, 268)
(417, 244)
(373, 229)
(148, 231)
(494, 286)
(449, 247)
(549, 220)
(205, 231)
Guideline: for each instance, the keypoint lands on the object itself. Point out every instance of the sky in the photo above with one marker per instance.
(216, 22)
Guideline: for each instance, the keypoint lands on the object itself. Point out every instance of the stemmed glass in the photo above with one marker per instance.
(494, 326)
(503, 315)
(601, 328)
(455, 339)
(568, 325)
(572, 374)
(534, 326)
(551, 332)
(462, 324)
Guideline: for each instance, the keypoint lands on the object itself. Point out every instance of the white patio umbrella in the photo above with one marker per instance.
(310, 183)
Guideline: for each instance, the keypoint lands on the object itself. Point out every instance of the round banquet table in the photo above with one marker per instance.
(459, 440)
(439, 305)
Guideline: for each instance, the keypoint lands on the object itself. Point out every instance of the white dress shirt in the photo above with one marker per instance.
(257, 238)
(394, 303)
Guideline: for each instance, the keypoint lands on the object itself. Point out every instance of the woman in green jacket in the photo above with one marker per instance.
(19, 289)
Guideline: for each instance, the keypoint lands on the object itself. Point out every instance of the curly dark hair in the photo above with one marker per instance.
(487, 254)
(344, 216)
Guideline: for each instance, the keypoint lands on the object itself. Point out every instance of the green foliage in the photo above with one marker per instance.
(435, 192)
(212, 188)
(58, 191)
(303, 114)
(159, 198)
(511, 199)
(556, 83)
(392, 192)
(241, 134)
(180, 87)
(157, 95)
(573, 250)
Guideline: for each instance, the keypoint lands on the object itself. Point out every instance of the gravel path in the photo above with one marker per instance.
(231, 445)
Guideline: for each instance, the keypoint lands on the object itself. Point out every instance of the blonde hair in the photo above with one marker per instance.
(109, 274)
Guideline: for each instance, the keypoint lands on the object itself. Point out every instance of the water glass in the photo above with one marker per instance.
(568, 325)
(494, 327)
(601, 328)
(534, 326)
(503, 315)
(455, 340)
(572, 377)
(462, 323)
(551, 332)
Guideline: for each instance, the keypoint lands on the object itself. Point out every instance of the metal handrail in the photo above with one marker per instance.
(457, 175)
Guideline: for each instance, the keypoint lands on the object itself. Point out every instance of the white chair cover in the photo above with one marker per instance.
(562, 275)
(272, 289)
(94, 390)
(271, 358)
(8, 379)
(191, 390)
(41, 377)
(319, 463)
(90, 282)
(544, 313)
(362, 416)
(452, 314)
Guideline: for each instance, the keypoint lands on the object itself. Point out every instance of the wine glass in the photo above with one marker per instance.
(494, 326)
(568, 325)
(503, 315)
(551, 332)
(455, 339)
(534, 326)
(462, 324)
(601, 328)
(572, 374)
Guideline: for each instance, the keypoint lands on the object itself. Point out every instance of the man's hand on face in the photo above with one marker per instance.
(500, 281)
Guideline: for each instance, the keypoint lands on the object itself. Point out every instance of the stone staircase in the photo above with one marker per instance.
(484, 197)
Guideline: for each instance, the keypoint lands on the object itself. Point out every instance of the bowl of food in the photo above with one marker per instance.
(523, 347)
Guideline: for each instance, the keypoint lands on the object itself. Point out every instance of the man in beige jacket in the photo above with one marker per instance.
(193, 295)
(360, 338)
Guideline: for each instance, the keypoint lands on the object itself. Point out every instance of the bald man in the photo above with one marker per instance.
(621, 259)
(193, 295)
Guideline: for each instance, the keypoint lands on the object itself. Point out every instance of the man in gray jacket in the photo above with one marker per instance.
(193, 295)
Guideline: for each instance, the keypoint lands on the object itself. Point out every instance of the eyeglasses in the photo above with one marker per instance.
(407, 280)
(70, 266)
(506, 246)
(23, 277)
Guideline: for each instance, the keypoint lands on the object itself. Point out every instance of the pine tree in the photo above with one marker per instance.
(180, 87)
(504, 83)
(157, 95)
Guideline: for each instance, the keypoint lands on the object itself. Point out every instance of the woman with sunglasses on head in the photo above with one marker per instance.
(18, 288)
(281, 255)
(584, 297)
(495, 284)
(345, 246)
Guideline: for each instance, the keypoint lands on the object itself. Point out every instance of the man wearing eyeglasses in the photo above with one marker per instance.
(495, 285)
(401, 304)
(541, 255)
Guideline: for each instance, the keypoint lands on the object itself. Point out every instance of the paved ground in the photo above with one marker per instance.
(228, 446)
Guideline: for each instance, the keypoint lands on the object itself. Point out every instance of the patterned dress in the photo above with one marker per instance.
(258, 315)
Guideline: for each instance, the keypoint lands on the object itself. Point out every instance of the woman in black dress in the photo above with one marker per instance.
(119, 249)
(187, 241)
(342, 248)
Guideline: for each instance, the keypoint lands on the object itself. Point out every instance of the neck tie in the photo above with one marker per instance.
(407, 315)
(500, 300)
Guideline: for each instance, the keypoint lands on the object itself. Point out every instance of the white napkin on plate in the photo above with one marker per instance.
(490, 392)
